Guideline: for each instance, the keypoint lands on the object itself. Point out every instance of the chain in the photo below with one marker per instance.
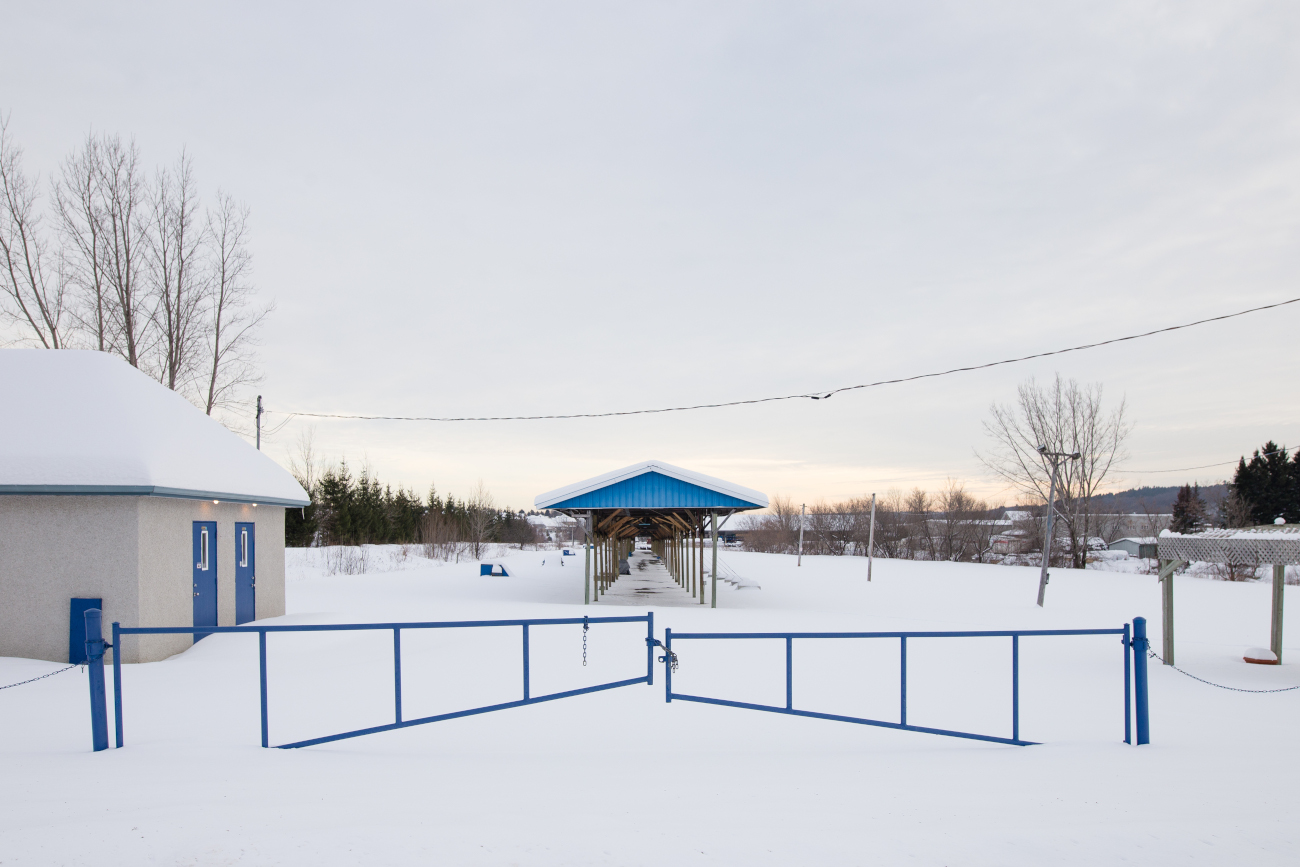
(670, 658)
(1151, 653)
(585, 627)
(42, 677)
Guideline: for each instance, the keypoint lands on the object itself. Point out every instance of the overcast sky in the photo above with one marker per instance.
(490, 208)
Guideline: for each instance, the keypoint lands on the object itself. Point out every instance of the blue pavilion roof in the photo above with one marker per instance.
(652, 485)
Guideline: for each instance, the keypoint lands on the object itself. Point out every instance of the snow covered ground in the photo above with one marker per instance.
(620, 777)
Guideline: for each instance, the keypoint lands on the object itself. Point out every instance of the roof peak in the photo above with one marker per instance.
(672, 471)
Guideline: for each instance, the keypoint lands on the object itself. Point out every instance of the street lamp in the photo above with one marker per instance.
(1055, 458)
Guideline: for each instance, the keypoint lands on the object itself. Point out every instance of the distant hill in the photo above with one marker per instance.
(1160, 500)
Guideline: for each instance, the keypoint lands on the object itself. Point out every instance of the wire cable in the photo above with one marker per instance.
(821, 395)
(1210, 466)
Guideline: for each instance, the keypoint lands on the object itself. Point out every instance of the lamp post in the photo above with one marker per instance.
(1055, 458)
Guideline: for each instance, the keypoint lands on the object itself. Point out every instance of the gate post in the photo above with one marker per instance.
(95, 646)
(1140, 645)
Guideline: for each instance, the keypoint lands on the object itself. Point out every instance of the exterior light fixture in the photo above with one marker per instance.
(214, 502)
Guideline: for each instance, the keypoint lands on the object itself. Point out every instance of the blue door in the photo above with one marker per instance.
(205, 575)
(245, 573)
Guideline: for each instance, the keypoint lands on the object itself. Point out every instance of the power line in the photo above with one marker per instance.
(1209, 466)
(809, 396)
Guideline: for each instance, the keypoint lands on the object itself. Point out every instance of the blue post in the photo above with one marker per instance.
(668, 666)
(789, 673)
(649, 648)
(95, 663)
(397, 672)
(525, 662)
(1015, 687)
(117, 682)
(261, 647)
(902, 654)
(1128, 689)
(1140, 645)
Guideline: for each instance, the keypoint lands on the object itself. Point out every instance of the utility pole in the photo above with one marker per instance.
(803, 508)
(259, 422)
(1056, 458)
(871, 537)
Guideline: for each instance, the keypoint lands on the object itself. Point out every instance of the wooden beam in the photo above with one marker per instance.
(1279, 589)
(1167, 569)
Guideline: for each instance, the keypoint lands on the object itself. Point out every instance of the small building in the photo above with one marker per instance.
(1136, 546)
(117, 493)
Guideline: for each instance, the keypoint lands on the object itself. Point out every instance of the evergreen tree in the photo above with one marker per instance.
(1189, 510)
(1269, 484)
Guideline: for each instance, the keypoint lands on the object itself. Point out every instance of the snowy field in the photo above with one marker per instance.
(621, 777)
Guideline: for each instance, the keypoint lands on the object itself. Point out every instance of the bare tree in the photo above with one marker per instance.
(920, 539)
(234, 319)
(481, 513)
(305, 465)
(775, 532)
(123, 233)
(830, 528)
(1063, 417)
(178, 287)
(891, 528)
(79, 203)
(33, 286)
(957, 515)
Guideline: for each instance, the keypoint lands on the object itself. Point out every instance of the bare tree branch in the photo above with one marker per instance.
(32, 297)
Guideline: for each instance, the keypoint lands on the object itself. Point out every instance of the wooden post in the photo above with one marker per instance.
(690, 561)
(871, 537)
(1167, 569)
(588, 544)
(701, 537)
(1279, 588)
(713, 591)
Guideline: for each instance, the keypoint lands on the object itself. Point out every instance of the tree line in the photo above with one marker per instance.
(110, 256)
(358, 509)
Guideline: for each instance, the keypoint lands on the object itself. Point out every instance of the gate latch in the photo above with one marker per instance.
(668, 656)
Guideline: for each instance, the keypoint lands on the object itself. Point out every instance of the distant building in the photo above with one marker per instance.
(1141, 546)
(117, 493)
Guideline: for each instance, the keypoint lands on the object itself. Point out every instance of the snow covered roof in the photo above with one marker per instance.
(84, 422)
(729, 495)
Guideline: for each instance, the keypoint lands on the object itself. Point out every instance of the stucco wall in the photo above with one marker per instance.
(166, 567)
(54, 548)
(135, 553)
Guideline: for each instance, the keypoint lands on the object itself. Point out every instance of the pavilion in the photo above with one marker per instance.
(675, 509)
(1277, 544)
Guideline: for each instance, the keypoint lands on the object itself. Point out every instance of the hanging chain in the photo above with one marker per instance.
(1153, 655)
(42, 677)
(669, 657)
(585, 627)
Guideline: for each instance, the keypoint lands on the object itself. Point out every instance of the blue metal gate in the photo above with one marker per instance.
(397, 629)
(205, 576)
(902, 637)
(245, 572)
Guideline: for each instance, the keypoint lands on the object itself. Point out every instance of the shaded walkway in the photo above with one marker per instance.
(649, 584)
